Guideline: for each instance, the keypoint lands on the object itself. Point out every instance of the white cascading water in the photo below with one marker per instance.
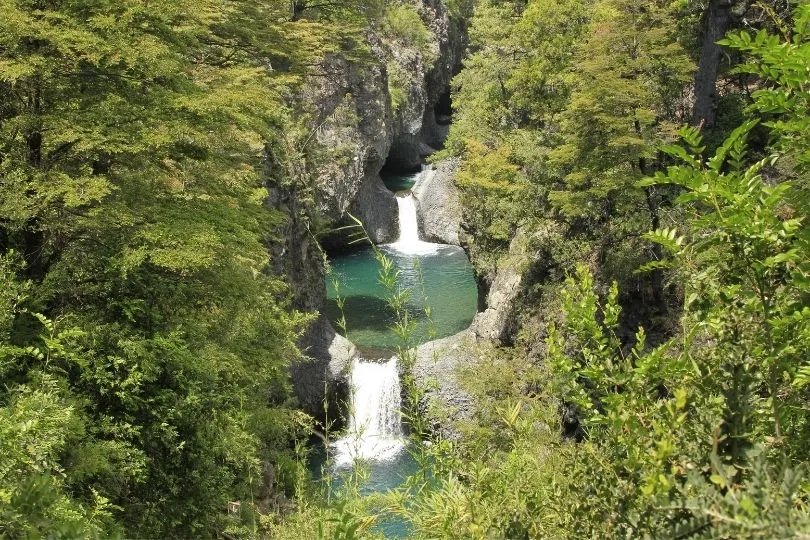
(408, 221)
(408, 242)
(375, 425)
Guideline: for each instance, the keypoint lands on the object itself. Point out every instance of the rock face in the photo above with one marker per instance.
(498, 322)
(356, 131)
(417, 131)
(352, 142)
(435, 371)
(324, 377)
(438, 204)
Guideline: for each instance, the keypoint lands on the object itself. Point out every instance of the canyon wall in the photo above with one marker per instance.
(356, 129)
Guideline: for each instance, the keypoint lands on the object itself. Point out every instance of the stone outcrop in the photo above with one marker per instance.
(435, 371)
(498, 322)
(323, 376)
(438, 204)
(351, 143)
(355, 130)
(418, 132)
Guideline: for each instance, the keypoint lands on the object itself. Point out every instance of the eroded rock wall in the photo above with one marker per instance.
(355, 130)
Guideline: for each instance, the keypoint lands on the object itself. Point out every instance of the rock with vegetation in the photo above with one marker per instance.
(426, 48)
(351, 141)
(499, 321)
(371, 109)
(435, 372)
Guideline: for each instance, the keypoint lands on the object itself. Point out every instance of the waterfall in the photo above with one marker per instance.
(375, 426)
(408, 222)
(408, 242)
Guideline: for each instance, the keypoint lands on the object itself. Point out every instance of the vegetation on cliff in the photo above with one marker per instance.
(144, 337)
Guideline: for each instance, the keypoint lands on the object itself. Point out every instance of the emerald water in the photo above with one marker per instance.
(383, 476)
(443, 296)
(398, 181)
(442, 279)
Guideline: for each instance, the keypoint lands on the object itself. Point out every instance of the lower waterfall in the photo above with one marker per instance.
(375, 424)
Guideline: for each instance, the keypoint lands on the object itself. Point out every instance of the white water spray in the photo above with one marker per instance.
(409, 242)
(375, 425)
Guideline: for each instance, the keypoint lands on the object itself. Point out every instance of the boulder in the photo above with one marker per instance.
(323, 375)
(438, 204)
(498, 322)
(435, 372)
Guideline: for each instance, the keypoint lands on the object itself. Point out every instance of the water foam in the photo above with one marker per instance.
(375, 424)
(409, 242)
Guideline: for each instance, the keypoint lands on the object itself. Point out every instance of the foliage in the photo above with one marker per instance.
(397, 81)
(782, 64)
(144, 336)
(578, 96)
(598, 432)
(403, 22)
(491, 188)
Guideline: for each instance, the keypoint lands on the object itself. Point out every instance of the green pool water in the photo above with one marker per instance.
(449, 290)
(382, 476)
(399, 181)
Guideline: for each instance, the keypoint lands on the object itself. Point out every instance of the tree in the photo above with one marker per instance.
(134, 143)
(717, 20)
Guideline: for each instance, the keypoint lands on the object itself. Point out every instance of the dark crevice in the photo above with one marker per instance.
(394, 167)
(444, 109)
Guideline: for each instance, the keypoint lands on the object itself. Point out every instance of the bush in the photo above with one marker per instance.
(402, 21)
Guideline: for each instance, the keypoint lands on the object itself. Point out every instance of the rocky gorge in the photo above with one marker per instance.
(360, 129)
(355, 131)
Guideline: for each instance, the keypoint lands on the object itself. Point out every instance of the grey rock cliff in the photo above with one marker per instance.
(498, 322)
(355, 131)
(352, 140)
(438, 204)
(323, 376)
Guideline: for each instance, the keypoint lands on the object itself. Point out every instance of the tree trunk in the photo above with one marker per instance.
(716, 22)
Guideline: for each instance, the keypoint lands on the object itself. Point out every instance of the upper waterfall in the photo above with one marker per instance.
(408, 221)
(408, 241)
(375, 424)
